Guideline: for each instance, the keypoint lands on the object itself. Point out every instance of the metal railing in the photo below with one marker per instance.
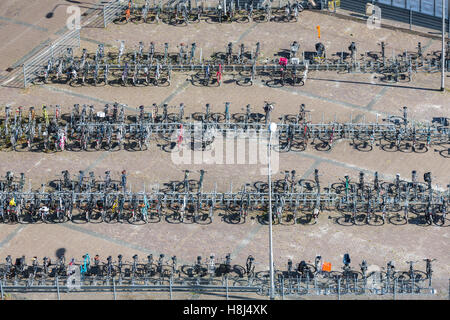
(357, 202)
(285, 287)
(112, 10)
(33, 66)
(71, 39)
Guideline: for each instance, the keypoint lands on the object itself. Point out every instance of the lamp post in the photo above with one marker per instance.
(272, 129)
(443, 48)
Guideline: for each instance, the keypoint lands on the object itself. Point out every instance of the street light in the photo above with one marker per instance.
(272, 129)
(443, 48)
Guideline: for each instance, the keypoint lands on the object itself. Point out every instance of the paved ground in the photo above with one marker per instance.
(328, 96)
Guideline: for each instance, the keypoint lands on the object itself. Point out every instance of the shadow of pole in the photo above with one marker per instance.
(376, 84)
(86, 5)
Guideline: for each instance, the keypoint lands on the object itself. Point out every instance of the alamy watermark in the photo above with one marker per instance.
(209, 146)
(74, 277)
(73, 22)
(374, 20)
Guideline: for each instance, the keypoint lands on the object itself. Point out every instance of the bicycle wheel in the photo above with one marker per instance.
(193, 270)
(397, 219)
(439, 219)
(363, 146)
(166, 271)
(406, 283)
(389, 146)
(375, 220)
(264, 276)
(406, 147)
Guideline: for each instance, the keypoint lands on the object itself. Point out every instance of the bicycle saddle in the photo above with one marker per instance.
(302, 266)
(346, 259)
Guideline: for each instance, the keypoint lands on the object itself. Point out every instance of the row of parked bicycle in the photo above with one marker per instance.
(111, 130)
(246, 54)
(144, 68)
(184, 12)
(294, 201)
(289, 184)
(211, 270)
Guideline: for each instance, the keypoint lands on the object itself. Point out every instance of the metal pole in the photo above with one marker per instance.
(339, 289)
(78, 36)
(114, 289)
(443, 48)
(410, 17)
(395, 286)
(1, 288)
(270, 219)
(170, 284)
(227, 285)
(24, 76)
(104, 16)
(57, 288)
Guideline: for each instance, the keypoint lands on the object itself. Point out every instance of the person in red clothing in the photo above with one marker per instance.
(180, 135)
(219, 75)
(283, 64)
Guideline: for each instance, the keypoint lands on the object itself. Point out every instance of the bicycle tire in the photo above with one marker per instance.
(193, 270)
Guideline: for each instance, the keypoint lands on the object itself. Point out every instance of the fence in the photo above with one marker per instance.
(290, 287)
(33, 66)
(112, 10)
(71, 39)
